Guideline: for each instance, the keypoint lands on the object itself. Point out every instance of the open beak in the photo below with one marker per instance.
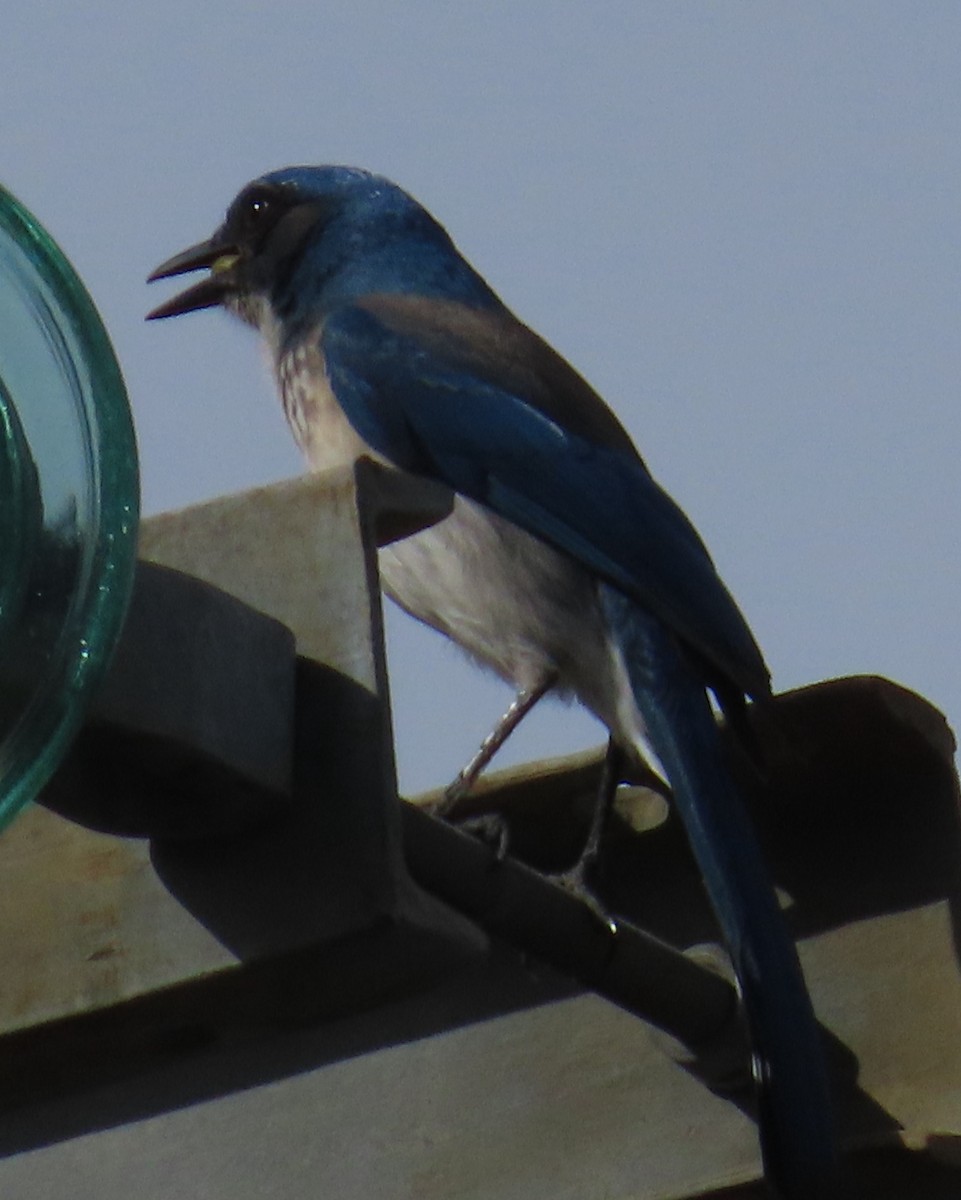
(220, 256)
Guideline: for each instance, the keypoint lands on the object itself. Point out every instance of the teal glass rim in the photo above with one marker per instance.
(70, 468)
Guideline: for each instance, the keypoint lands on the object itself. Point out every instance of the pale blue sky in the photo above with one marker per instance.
(739, 221)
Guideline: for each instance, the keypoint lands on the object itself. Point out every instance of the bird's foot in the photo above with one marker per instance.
(574, 880)
(490, 828)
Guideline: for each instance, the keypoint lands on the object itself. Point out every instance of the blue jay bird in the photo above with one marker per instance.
(563, 564)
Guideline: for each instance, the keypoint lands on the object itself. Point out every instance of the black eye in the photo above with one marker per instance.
(258, 208)
(254, 213)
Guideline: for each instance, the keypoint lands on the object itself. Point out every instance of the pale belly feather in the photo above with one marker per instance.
(511, 602)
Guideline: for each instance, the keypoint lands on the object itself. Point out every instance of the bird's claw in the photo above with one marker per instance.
(574, 881)
(490, 828)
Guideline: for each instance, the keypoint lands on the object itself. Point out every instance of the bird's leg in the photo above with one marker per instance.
(520, 706)
(611, 775)
(575, 879)
(492, 827)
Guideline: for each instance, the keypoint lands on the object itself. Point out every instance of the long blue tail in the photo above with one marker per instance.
(794, 1114)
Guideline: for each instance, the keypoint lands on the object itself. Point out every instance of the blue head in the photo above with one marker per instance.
(298, 242)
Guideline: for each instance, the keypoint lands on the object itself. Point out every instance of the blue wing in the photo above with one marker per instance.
(432, 408)
(481, 422)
